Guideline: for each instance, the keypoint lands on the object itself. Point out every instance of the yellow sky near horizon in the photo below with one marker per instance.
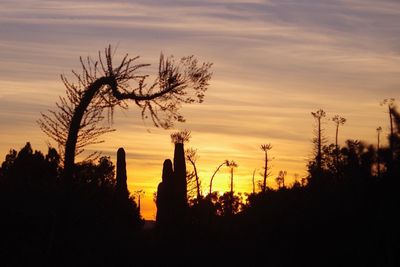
(274, 63)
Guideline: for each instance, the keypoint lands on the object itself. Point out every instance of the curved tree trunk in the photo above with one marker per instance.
(70, 146)
(212, 177)
(197, 180)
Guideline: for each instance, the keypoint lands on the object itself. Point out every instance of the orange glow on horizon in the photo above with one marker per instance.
(270, 70)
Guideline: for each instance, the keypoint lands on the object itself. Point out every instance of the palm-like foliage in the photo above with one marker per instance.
(319, 139)
(181, 137)
(265, 148)
(232, 165)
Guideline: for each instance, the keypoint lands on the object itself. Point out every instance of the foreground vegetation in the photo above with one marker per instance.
(57, 212)
(346, 214)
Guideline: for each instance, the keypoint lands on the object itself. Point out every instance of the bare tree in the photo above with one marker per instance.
(192, 157)
(337, 120)
(215, 172)
(319, 138)
(378, 130)
(254, 184)
(101, 87)
(390, 102)
(139, 194)
(280, 179)
(303, 181)
(265, 148)
(296, 179)
(232, 165)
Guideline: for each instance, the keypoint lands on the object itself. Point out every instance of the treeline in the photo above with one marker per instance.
(345, 213)
(49, 222)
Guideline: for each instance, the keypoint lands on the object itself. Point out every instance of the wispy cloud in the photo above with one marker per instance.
(274, 62)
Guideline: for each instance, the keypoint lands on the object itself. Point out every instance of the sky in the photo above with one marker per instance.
(274, 62)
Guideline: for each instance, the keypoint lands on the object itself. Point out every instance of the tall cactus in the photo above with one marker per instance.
(180, 185)
(121, 186)
(180, 175)
(164, 200)
(172, 191)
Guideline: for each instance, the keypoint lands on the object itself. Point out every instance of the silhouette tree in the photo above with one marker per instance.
(101, 174)
(191, 186)
(37, 228)
(253, 182)
(232, 165)
(297, 181)
(8, 163)
(192, 157)
(215, 172)
(396, 144)
(378, 157)
(280, 179)
(102, 87)
(358, 160)
(265, 148)
(337, 120)
(229, 204)
(390, 102)
(139, 194)
(319, 138)
(30, 167)
(303, 181)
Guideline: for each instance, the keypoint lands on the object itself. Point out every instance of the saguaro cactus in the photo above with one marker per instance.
(172, 191)
(180, 175)
(164, 200)
(180, 186)
(121, 186)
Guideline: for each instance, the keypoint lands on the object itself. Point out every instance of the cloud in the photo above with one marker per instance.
(274, 62)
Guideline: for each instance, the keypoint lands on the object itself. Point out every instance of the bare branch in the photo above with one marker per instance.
(100, 87)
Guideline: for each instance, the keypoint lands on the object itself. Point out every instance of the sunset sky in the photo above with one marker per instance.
(274, 61)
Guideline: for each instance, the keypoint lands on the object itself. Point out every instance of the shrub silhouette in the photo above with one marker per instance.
(45, 222)
(30, 167)
(347, 219)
